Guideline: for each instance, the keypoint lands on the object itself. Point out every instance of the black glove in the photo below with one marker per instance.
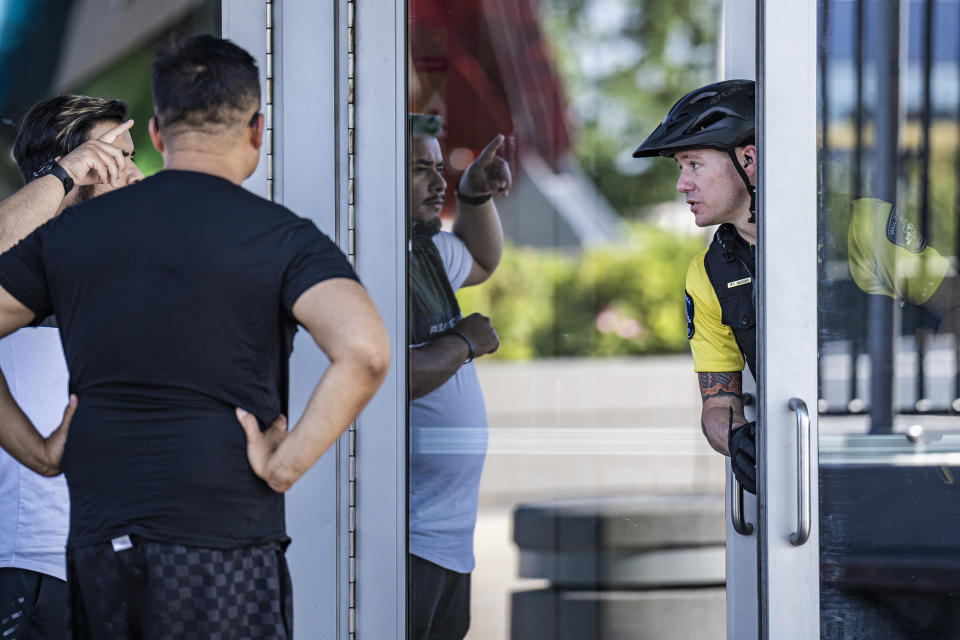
(742, 443)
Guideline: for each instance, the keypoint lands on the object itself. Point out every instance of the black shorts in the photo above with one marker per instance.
(33, 606)
(439, 601)
(158, 591)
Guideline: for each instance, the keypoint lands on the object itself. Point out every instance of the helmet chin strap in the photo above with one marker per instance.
(750, 188)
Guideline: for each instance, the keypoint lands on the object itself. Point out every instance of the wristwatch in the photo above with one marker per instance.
(51, 167)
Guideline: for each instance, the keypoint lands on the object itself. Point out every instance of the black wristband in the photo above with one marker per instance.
(471, 355)
(50, 167)
(473, 201)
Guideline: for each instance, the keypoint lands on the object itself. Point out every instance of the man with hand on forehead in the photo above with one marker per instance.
(69, 149)
(446, 402)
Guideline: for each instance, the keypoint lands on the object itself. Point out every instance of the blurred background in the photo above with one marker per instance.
(97, 47)
(592, 402)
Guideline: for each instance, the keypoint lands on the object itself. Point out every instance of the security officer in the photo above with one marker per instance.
(709, 133)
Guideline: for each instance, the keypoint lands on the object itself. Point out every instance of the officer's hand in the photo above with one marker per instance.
(489, 173)
(480, 330)
(261, 444)
(98, 161)
(54, 444)
(742, 443)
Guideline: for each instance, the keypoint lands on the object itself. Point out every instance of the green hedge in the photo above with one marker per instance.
(624, 299)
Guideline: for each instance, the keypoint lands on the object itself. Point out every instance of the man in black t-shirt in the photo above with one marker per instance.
(69, 149)
(177, 300)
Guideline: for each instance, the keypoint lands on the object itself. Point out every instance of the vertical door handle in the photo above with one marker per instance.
(740, 525)
(804, 490)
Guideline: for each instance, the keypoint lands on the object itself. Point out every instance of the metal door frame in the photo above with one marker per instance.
(780, 599)
(380, 192)
(334, 93)
(739, 60)
(787, 328)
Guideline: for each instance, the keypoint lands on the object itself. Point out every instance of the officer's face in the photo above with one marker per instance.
(712, 187)
(427, 184)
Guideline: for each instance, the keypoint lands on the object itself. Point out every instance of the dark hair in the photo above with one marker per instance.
(204, 82)
(57, 126)
(424, 124)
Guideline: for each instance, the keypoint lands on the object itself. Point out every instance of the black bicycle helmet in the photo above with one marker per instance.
(719, 116)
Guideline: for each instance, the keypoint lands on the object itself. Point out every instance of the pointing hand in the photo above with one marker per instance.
(488, 174)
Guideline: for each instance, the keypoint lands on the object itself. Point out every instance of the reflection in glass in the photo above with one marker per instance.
(556, 495)
(888, 318)
(447, 416)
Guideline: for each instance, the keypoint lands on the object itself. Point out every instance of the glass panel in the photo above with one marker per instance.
(566, 471)
(889, 386)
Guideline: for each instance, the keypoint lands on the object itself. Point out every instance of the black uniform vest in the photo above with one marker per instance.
(729, 263)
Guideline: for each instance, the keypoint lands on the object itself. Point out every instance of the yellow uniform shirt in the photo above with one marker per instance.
(712, 343)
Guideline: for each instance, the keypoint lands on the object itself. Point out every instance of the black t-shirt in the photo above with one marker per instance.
(173, 298)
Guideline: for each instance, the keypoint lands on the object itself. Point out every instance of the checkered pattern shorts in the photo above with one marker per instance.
(156, 591)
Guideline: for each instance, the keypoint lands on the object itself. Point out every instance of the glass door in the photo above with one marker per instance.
(560, 487)
(878, 484)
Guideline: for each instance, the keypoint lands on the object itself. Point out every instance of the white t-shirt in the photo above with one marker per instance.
(34, 510)
(448, 429)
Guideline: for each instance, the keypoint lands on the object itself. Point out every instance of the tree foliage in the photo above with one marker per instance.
(623, 299)
(624, 64)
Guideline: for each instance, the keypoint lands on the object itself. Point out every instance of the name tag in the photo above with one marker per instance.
(737, 283)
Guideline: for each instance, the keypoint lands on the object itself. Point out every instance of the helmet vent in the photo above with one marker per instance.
(706, 95)
(708, 120)
(675, 121)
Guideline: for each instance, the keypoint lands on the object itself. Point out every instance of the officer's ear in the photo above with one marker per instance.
(748, 159)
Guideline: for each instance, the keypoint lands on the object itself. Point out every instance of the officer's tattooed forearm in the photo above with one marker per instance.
(717, 385)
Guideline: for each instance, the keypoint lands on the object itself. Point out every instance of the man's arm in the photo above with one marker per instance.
(720, 393)
(18, 435)
(433, 363)
(479, 225)
(29, 208)
(345, 324)
(94, 162)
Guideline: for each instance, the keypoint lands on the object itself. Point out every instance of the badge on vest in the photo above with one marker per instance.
(737, 283)
(690, 328)
(903, 233)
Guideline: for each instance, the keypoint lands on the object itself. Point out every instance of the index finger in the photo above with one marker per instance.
(492, 147)
(114, 133)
